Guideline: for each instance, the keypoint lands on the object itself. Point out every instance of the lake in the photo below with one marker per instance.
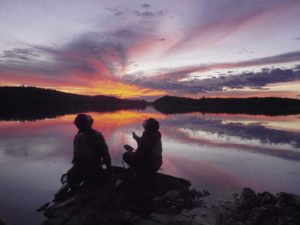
(221, 153)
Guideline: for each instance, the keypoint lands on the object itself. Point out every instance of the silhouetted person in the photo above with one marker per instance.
(90, 150)
(148, 155)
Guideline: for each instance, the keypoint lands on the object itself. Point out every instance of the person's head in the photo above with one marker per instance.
(151, 124)
(83, 122)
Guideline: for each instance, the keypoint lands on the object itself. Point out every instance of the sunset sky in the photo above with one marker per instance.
(147, 49)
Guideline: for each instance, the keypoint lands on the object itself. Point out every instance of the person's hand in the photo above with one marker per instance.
(134, 135)
(128, 148)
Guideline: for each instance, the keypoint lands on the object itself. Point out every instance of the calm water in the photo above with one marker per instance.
(219, 152)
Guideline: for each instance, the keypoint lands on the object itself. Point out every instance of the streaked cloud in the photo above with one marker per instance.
(171, 79)
(213, 21)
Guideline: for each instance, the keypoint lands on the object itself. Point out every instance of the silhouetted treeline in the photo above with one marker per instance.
(266, 106)
(29, 103)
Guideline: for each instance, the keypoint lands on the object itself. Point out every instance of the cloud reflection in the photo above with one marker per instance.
(253, 136)
(50, 137)
(54, 136)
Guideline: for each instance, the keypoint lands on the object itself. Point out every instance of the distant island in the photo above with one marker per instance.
(32, 103)
(255, 106)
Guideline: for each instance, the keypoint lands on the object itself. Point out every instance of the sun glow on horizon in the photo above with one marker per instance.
(116, 89)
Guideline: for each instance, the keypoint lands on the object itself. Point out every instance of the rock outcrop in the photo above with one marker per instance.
(130, 199)
(161, 199)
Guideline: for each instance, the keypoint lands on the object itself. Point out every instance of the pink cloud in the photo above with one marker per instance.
(226, 18)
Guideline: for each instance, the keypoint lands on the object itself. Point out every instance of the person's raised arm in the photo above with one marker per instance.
(136, 138)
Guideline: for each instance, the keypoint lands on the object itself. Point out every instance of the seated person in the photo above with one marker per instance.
(148, 155)
(90, 150)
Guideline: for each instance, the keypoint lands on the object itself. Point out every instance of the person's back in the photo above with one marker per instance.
(83, 152)
(90, 149)
(148, 155)
(149, 151)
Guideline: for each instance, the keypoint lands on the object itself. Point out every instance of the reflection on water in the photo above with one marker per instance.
(221, 153)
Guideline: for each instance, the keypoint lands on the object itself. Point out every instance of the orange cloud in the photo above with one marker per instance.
(125, 90)
(80, 83)
(112, 88)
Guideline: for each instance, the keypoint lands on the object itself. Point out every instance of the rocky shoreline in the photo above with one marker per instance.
(263, 208)
(161, 199)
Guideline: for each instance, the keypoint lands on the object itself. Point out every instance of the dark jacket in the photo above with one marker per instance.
(90, 148)
(149, 150)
